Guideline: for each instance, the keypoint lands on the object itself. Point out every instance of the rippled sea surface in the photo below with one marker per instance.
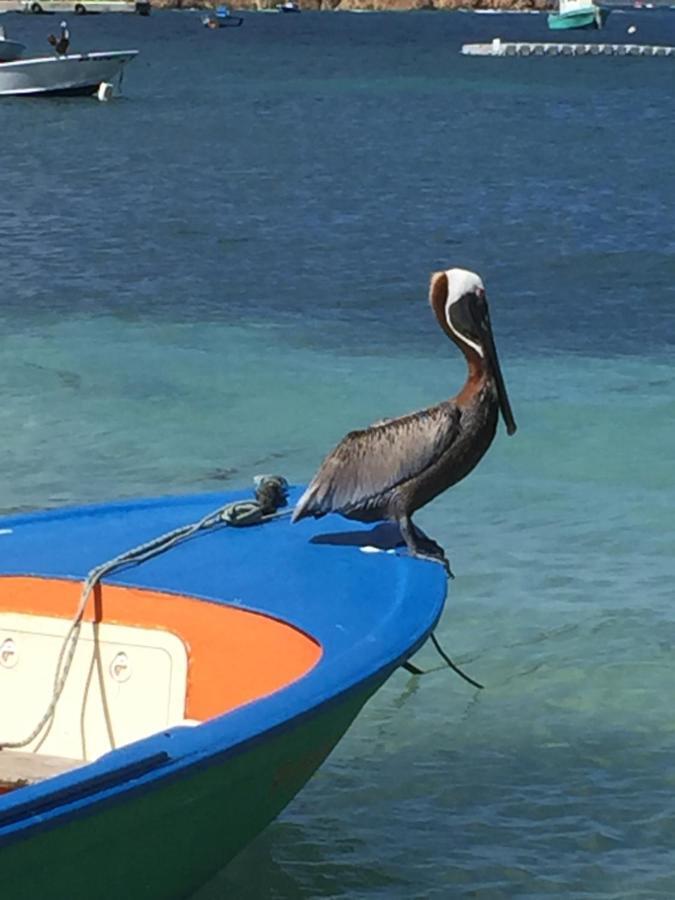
(224, 271)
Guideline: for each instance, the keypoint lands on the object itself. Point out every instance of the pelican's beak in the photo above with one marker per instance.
(488, 342)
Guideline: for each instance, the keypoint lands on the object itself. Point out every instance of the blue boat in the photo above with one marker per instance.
(222, 18)
(157, 712)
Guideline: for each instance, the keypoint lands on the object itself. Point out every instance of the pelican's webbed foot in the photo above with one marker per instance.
(422, 547)
(441, 558)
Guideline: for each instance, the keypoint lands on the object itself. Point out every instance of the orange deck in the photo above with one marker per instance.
(234, 656)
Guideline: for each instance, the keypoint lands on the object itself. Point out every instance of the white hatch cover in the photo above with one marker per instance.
(124, 683)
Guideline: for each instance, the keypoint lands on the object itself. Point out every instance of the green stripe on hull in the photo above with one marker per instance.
(583, 20)
(166, 842)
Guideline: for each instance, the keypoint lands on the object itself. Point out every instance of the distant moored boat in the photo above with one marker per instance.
(222, 18)
(577, 14)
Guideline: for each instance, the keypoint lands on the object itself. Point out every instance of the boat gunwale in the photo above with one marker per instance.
(94, 56)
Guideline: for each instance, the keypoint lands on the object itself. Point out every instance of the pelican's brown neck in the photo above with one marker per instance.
(477, 375)
(477, 370)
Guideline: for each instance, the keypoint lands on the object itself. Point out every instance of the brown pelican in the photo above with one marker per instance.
(395, 467)
(61, 43)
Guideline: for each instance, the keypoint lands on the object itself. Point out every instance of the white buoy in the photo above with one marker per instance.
(105, 91)
(632, 29)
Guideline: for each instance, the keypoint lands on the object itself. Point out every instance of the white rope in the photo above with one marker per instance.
(244, 512)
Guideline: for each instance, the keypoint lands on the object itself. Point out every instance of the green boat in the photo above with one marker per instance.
(576, 14)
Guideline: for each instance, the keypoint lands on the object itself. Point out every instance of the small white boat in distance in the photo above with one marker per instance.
(75, 74)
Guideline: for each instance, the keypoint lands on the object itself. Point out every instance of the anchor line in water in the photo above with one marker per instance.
(415, 670)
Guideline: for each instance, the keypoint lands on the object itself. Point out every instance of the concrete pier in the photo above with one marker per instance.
(527, 48)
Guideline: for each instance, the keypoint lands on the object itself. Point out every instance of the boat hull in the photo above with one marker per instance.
(223, 21)
(76, 74)
(174, 838)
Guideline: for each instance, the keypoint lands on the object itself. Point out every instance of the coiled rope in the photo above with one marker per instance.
(271, 492)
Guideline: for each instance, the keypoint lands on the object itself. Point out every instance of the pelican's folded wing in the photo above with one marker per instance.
(367, 464)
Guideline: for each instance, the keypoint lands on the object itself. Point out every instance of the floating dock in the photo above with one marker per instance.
(527, 48)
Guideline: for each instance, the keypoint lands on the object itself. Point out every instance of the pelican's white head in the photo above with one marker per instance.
(458, 299)
(460, 282)
(462, 286)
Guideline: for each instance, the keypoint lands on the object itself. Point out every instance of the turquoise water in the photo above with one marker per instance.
(225, 271)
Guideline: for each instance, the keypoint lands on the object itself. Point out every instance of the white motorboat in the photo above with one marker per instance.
(69, 75)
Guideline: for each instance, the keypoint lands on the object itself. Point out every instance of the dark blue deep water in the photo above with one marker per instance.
(226, 269)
